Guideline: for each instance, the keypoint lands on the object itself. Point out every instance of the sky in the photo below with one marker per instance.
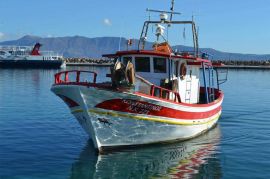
(241, 26)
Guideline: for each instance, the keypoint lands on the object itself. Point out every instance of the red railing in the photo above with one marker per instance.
(63, 76)
(164, 93)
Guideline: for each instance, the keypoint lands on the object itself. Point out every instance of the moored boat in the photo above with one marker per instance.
(28, 57)
(154, 95)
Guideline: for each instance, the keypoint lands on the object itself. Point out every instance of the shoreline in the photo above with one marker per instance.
(89, 64)
(232, 64)
(245, 67)
(226, 66)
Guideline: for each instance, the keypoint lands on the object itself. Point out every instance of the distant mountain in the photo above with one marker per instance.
(78, 46)
(219, 55)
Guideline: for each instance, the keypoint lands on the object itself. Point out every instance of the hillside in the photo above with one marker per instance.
(78, 46)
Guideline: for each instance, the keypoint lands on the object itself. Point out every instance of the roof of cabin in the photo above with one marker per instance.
(164, 50)
(156, 53)
(161, 50)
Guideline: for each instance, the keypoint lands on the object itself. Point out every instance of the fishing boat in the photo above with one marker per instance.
(154, 95)
(29, 57)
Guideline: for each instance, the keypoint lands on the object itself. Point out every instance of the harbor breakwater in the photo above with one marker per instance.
(88, 62)
(234, 64)
(237, 64)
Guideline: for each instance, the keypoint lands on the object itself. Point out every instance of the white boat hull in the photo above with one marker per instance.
(110, 126)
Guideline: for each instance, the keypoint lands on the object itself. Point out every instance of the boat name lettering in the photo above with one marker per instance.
(144, 107)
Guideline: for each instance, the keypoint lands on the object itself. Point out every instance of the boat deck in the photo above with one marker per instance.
(142, 87)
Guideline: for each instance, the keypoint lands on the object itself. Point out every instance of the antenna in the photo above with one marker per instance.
(163, 13)
(172, 9)
(198, 30)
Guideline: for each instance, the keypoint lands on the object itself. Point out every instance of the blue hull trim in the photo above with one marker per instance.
(31, 64)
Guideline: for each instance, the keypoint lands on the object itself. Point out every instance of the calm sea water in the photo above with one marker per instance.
(39, 138)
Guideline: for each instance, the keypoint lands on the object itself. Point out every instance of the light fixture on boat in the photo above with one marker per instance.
(163, 17)
(159, 31)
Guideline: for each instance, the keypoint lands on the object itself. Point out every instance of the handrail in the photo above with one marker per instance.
(165, 91)
(58, 76)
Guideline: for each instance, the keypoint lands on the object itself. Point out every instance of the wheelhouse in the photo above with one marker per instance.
(167, 68)
(176, 72)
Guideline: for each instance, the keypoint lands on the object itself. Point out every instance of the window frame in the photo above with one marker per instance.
(142, 59)
(154, 64)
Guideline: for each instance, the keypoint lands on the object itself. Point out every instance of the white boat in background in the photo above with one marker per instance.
(153, 96)
(29, 57)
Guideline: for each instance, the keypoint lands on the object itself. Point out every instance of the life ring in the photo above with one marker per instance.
(183, 71)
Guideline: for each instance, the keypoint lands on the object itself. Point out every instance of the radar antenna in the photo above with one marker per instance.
(171, 12)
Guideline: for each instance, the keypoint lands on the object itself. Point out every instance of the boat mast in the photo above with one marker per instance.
(195, 38)
(163, 20)
(172, 9)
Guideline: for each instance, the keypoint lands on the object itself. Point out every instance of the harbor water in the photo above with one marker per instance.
(40, 138)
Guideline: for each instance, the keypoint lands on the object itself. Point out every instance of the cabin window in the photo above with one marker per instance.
(160, 65)
(126, 60)
(142, 64)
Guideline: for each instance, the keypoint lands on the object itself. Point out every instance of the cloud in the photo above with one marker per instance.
(2, 35)
(107, 22)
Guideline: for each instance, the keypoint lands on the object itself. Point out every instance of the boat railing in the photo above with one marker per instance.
(75, 76)
(147, 88)
(157, 91)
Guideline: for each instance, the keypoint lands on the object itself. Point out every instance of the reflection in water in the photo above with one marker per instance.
(196, 158)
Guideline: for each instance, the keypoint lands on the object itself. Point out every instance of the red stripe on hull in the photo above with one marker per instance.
(140, 107)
